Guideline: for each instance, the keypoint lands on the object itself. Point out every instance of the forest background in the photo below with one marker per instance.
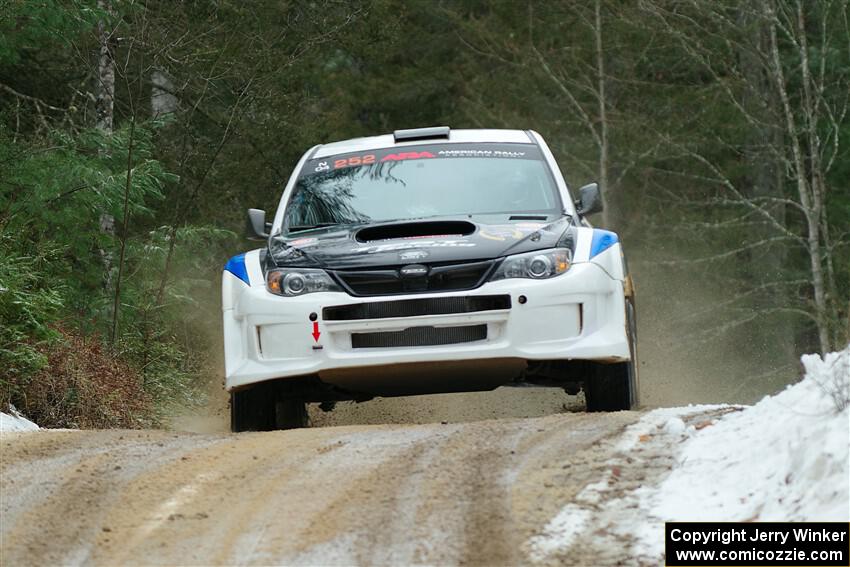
(134, 135)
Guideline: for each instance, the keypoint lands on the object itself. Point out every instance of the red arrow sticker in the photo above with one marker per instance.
(316, 333)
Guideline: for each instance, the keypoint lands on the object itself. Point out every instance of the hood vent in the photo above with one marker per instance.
(415, 230)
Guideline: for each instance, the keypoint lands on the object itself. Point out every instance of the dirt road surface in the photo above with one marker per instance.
(471, 493)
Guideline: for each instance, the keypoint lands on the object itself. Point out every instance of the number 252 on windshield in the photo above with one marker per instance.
(354, 161)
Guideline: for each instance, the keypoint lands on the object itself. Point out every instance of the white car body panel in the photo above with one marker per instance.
(268, 336)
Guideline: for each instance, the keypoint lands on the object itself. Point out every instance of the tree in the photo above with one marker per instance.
(104, 109)
(803, 97)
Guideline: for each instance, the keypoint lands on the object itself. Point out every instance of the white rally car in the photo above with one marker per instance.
(430, 260)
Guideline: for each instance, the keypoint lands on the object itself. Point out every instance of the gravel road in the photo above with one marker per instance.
(457, 493)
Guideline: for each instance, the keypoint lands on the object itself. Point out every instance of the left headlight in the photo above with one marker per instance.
(293, 282)
(534, 265)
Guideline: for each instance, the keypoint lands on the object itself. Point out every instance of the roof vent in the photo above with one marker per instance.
(421, 133)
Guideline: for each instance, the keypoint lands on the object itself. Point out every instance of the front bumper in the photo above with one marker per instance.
(578, 315)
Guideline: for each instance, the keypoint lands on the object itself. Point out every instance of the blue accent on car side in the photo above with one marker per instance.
(236, 266)
(602, 241)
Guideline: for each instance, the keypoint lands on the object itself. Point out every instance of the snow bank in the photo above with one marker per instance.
(784, 459)
(14, 421)
(787, 458)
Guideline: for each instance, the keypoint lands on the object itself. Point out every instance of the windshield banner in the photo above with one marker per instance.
(430, 151)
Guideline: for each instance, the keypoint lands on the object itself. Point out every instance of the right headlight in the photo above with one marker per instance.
(293, 282)
(538, 265)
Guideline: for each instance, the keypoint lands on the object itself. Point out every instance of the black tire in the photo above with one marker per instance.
(614, 387)
(252, 410)
(290, 413)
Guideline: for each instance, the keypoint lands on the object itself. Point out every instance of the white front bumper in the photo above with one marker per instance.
(579, 315)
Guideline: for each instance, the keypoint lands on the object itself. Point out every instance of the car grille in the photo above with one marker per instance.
(416, 307)
(420, 336)
(389, 281)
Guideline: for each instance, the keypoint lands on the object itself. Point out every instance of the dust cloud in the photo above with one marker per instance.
(693, 351)
(505, 402)
(211, 416)
(502, 402)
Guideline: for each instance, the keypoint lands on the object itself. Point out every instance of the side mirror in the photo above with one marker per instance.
(258, 228)
(590, 200)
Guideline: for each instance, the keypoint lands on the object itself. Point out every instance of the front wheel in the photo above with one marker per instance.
(251, 410)
(265, 408)
(614, 387)
(290, 413)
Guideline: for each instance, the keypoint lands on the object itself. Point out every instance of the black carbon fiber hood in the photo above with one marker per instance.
(420, 242)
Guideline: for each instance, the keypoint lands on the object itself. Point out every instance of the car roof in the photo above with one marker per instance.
(455, 137)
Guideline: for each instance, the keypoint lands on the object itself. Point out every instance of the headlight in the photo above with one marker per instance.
(292, 282)
(535, 265)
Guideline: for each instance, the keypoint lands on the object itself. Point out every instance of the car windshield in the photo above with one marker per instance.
(421, 181)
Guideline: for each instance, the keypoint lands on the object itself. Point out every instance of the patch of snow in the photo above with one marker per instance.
(560, 532)
(15, 421)
(787, 458)
(336, 551)
(657, 419)
(674, 426)
(792, 448)
(601, 506)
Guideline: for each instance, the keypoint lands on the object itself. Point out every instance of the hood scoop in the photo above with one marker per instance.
(415, 230)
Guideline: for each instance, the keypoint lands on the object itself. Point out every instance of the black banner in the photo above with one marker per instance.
(763, 544)
(326, 164)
